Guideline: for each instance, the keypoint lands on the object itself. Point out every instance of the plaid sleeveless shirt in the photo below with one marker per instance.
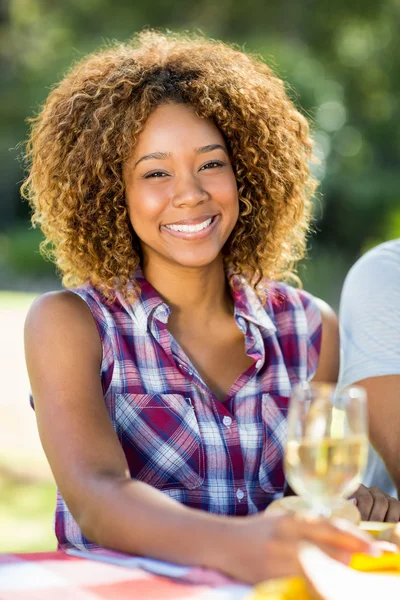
(223, 457)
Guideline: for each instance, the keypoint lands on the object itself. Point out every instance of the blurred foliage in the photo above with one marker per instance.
(340, 60)
(19, 250)
(26, 508)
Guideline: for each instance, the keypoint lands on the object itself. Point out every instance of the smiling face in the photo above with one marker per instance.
(180, 188)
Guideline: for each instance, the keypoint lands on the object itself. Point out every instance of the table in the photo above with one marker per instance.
(58, 576)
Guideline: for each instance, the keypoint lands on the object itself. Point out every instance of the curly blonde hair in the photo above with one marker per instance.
(87, 128)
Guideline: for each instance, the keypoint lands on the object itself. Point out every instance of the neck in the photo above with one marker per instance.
(187, 291)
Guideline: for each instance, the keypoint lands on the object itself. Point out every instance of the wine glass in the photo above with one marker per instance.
(327, 444)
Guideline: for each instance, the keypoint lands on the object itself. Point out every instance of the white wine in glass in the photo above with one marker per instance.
(327, 444)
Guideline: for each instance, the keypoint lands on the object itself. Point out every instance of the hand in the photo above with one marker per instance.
(374, 505)
(266, 546)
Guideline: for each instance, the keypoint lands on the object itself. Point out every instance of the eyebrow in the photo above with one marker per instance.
(165, 155)
(210, 148)
(154, 155)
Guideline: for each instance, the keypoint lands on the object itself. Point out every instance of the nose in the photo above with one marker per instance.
(189, 192)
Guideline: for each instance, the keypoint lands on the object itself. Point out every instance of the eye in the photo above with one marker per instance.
(213, 164)
(155, 175)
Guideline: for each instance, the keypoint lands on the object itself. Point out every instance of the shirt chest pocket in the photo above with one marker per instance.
(161, 439)
(274, 410)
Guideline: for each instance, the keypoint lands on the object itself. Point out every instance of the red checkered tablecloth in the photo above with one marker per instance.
(58, 576)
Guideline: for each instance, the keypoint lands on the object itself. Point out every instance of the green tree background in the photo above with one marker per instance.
(341, 62)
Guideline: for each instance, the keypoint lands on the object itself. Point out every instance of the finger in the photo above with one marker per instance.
(360, 490)
(365, 502)
(343, 556)
(339, 534)
(389, 547)
(380, 505)
(393, 512)
(336, 534)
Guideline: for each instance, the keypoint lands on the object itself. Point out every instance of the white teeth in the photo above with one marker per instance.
(190, 228)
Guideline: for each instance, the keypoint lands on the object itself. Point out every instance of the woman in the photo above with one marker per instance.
(170, 177)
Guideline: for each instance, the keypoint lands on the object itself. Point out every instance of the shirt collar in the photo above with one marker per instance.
(248, 304)
(150, 305)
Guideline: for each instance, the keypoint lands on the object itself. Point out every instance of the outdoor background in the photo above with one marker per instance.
(341, 62)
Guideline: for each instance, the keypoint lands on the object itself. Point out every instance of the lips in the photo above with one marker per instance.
(191, 229)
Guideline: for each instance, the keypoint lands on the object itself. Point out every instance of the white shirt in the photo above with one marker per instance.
(370, 332)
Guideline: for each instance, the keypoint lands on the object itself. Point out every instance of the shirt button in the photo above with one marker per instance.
(190, 373)
(258, 364)
(239, 494)
(227, 421)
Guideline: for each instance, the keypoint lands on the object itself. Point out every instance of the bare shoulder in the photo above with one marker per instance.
(61, 317)
(328, 366)
(56, 306)
(329, 318)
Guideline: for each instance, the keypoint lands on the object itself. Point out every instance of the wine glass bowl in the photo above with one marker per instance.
(327, 444)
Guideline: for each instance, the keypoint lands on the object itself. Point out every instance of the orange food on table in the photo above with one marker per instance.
(287, 588)
(388, 562)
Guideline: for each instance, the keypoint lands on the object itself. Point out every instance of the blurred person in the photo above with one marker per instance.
(370, 334)
(170, 178)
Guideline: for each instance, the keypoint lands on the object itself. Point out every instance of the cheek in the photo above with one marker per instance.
(231, 187)
(232, 199)
(144, 207)
(232, 207)
(224, 190)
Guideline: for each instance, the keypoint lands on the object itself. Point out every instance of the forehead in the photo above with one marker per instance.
(176, 125)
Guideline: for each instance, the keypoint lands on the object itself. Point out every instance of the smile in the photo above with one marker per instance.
(191, 228)
(192, 231)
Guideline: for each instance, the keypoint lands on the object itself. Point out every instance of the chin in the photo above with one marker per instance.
(195, 262)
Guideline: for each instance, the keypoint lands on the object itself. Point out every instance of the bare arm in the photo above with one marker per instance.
(383, 395)
(63, 353)
(370, 332)
(328, 366)
(384, 418)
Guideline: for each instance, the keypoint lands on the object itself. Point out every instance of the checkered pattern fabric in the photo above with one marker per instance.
(57, 576)
(223, 457)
